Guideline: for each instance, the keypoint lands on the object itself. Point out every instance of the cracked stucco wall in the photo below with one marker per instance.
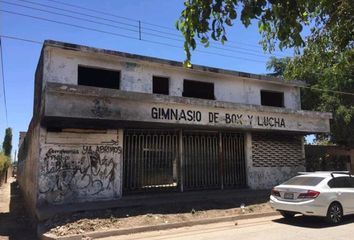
(80, 166)
(61, 67)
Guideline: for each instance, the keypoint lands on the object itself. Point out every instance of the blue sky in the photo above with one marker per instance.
(242, 52)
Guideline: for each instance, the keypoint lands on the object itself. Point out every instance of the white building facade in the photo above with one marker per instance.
(107, 123)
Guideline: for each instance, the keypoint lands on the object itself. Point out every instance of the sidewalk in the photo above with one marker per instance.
(14, 222)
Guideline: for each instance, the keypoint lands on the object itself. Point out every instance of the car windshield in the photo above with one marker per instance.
(304, 181)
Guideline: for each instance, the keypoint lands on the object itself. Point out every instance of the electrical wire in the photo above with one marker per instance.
(92, 10)
(73, 17)
(135, 20)
(68, 47)
(67, 24)
(131, 19)
(127, 29)
(124, 36)
(78, 13)
(3, 82)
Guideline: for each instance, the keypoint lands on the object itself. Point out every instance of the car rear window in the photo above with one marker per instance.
(304, 181)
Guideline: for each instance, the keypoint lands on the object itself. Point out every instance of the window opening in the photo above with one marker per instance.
(196, 89)
(96, 77)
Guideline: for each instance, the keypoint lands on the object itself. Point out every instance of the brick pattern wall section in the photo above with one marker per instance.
(276, 150)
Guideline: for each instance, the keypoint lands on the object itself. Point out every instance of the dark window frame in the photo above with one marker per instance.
(188, 93)
(88, 67)
(161, 77)
(282, 104)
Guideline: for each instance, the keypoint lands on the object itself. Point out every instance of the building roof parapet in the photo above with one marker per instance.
(195, 67)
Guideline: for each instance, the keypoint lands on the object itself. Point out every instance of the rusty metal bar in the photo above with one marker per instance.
(221, 160)
(158, 159)
(149, 159)
(181, 161)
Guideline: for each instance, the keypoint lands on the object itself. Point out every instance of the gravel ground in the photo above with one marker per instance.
(83, 222)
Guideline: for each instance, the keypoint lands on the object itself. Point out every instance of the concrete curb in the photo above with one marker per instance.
(124, 231)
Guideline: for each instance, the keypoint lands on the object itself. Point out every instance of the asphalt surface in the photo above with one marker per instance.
(272, 228)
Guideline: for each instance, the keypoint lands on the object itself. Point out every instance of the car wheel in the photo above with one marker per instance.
(287, 214)
(334, 213)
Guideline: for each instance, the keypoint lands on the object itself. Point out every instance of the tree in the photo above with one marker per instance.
(7, 144)
(278, 65)
(324, 58)
(328, 68)
(279, 21)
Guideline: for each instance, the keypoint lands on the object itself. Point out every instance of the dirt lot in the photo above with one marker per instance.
(16, 224)
(14, 220)
(118, 219)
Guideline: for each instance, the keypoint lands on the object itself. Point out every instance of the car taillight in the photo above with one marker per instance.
(275, 193)
(309, 195)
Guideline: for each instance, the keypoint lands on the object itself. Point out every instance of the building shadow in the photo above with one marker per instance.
(16, 224)
(312, 222)
(228, 201)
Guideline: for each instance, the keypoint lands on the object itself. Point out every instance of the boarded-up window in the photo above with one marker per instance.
(196, 89)
(270, 98)
(97, 77)
(160, 85)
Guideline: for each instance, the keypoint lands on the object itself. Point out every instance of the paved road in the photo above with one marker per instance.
(270, 228)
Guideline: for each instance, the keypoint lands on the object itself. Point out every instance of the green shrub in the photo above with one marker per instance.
(5, 162)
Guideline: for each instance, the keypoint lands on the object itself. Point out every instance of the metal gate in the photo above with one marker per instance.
(208, 160)
(150, 160)
(201, 160)
(233, 160)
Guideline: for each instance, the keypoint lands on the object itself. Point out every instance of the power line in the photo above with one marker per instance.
(219, 48)
(68, 47)
(70, 16)
(223, 47)
(68, 24)
(3, 82)
(20, 39)
(117, 16)
(75, 12)
(122, 35)
(92, 10)
(78, 13)
(326, 90)
(136, 20)
(149, 41)
(114, 26)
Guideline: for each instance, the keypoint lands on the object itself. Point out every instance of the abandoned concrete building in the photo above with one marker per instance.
(106, 124)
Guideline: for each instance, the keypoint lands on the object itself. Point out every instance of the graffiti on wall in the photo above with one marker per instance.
(79, 171)
(101, 107)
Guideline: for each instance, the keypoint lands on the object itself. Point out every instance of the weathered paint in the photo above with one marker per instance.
(85, 164)
(136, 75)
(76, 167)
(88, 103)
(268, 177)
(27, 174)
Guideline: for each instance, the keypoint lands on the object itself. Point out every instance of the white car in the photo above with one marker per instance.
(324, 194)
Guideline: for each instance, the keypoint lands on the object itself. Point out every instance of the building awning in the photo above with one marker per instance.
(64, 103)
